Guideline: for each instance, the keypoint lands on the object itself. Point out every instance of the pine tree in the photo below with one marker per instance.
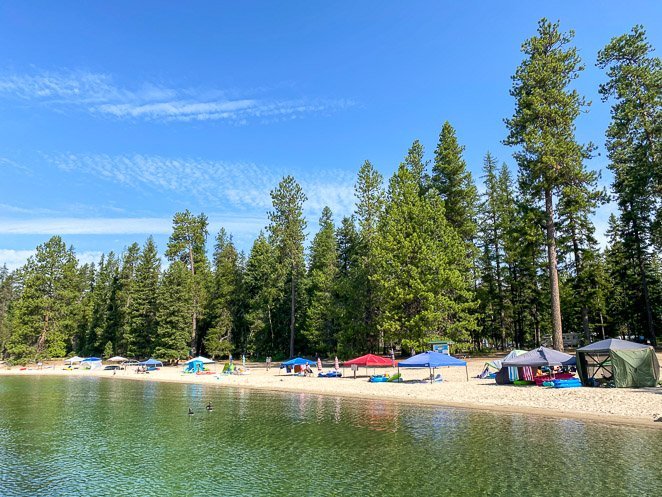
(576, 206)
(103, 305)
(543, 127)
(224, 302)
(321, 328)
(287, 233)
(263, 291)
(127, 278)
(187, 244)
(174, 312)
(142, 329)
(634, 148)
(349, 291)
(46, 313)
(496, 218)
(8, 293)
(421, 276)
(370, 200)
(453, 182)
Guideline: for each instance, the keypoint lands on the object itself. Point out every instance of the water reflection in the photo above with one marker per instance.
(80, 437)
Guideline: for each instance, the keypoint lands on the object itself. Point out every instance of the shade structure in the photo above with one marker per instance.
(297, 361)
(618, 362)
(118, 359)
(612, 344)
(194, 366)
(73, 360)
(370, 361)
(91, 363)
(542, 356)
(151, 362)
(203, 360)
(431, 359)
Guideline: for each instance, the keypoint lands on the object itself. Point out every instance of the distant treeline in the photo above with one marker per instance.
(424, 256)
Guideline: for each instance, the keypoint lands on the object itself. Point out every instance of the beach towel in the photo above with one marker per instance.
(528, 373)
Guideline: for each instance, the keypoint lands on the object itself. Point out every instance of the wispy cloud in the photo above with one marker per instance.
(243, 186)
(99, 94)
(123, 225)
(14, 259)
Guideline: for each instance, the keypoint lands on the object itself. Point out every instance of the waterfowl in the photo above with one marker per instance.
(190, 412)
(209, 407)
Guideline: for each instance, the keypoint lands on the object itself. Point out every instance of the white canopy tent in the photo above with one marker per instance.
(73, 360)
(204, 360)
(118, 359)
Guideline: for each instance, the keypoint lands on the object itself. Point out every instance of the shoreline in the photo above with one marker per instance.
(620, 407)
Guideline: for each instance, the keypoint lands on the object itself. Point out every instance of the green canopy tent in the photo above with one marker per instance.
(627, 364)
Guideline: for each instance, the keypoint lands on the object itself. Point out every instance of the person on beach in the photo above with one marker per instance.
(268, 362)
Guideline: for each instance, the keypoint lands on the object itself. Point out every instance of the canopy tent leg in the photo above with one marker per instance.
(466, 370)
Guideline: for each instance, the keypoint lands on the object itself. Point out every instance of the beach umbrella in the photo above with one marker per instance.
(118, 359)
(336, 366)
(319, 364)
(243, 360)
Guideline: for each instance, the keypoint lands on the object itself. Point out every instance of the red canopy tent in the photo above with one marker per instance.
(370, 361)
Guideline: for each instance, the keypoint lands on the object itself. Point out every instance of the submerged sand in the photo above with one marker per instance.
(608, 405)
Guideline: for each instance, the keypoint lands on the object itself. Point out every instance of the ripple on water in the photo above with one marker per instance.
(89, 436)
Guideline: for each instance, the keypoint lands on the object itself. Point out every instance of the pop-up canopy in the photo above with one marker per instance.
(118, 359)
(627, 364)
(297, 361)
(432, 360)
(151, 362)
(370, 361)
(73, 360)
(542, 356)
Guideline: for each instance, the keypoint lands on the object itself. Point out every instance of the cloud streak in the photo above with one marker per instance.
(243, 186)
(98, 94)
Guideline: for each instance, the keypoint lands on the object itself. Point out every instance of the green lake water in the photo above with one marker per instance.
(91, 436)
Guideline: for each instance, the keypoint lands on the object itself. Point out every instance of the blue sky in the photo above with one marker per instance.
(115, 115)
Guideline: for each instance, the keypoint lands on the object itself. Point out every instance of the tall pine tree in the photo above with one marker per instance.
(543, 129)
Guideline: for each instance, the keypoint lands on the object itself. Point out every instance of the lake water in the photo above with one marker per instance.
(91, 436)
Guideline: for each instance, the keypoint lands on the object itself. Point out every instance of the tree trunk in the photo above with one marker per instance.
(644, 284)
(602, 326)
(292, 313)
(580, 290)
(194, 321)
(557, 330)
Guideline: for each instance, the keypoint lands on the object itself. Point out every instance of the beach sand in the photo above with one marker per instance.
(605, 405)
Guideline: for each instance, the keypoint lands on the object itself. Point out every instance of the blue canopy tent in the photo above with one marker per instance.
(432, 360)
(194, 366)
(297, 361)
(91, 363)
(151, 363)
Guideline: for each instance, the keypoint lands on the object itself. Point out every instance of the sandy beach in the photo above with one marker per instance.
(605, 405)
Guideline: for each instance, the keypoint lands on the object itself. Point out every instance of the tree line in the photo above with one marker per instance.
(425, 255)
